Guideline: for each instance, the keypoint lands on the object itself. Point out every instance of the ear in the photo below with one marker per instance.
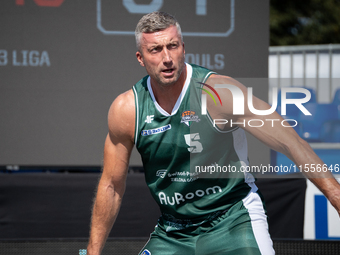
(183, 49)
(140, 58)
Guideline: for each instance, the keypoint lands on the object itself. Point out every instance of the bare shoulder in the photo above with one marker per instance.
(226, 88)
(121, 116)
(223, 79)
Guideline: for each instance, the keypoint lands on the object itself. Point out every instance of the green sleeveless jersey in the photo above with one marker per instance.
(192, 168)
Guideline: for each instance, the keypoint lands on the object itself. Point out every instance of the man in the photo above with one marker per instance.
(162, 116)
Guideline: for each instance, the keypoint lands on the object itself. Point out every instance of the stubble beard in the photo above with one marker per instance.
(163, 82)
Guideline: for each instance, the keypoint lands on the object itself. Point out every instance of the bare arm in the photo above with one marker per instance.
(111, 187)
(277, 137)
(288, 142)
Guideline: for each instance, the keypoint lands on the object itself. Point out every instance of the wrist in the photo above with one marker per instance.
(333, 193)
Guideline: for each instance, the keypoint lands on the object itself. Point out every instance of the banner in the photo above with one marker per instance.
(63, 62)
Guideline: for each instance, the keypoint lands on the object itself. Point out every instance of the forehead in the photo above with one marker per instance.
(160, 37)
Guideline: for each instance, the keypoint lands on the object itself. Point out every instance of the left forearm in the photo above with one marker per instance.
(316, 171)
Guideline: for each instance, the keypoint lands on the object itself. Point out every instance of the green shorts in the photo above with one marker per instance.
(243, 229)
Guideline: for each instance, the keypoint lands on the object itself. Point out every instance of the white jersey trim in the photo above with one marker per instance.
(137, 115)
(241, 148)
(180, 98)
(259, 223)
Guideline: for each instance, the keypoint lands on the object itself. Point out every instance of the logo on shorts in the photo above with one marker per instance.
(146, 252)
(188, 116)
(161, 173)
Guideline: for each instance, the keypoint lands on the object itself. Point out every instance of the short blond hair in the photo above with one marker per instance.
(154, 22)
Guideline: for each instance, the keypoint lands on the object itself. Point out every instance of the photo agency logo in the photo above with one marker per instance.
(238, 100)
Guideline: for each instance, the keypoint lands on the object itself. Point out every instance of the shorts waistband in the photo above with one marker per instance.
(170, 223)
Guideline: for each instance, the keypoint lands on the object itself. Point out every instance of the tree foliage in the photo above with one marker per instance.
(297, 22)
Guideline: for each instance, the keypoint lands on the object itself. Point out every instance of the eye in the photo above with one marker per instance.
(156, 49)
(173, 46)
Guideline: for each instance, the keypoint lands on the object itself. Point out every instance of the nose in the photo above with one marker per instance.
(167, 56)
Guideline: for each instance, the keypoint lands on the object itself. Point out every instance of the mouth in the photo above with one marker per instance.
(168, 72)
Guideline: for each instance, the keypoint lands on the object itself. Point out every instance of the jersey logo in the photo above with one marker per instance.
(146, 252)
(149, 118)
(188, 116)
(179, 198)
(155, 130)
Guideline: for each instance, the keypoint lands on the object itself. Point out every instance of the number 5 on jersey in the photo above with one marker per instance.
(192, 140)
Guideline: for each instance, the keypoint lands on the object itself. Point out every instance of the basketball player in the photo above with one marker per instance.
(219, 213)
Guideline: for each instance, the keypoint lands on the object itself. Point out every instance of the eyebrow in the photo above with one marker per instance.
(157, 44)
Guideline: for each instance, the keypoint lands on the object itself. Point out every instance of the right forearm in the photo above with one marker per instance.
(111, 187)
(105, 211)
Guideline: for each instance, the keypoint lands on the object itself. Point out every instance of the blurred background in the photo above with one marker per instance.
(63, 62)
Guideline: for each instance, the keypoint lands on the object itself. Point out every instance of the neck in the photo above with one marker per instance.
(167, 96)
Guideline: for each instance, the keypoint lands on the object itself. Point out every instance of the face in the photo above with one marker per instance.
(162, 54)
